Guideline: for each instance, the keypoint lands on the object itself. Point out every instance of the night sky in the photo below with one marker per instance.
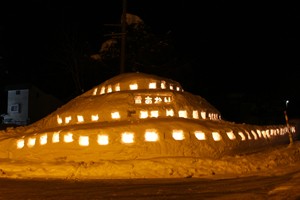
(243, 57)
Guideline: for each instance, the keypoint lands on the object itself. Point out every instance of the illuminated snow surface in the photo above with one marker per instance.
(152, 129)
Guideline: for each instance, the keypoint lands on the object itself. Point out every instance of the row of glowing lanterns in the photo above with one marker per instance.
(151, 135)
(142, 115)
(134, 86)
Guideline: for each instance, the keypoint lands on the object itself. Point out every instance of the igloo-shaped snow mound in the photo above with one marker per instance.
(137, 116)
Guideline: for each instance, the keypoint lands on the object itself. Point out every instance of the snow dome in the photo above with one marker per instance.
(136, 116)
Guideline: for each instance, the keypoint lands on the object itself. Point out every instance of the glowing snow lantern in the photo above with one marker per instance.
(102, 91)
(242, 135)
(178, 135)
(68, 119)
(133, 86)
(182, 113)
(203, 115)
(43, 139)
(31, 142)
(102, 139)
(254, 134)
(143, 114)
(231, 135)
(68, 137)
(95, 91)
(127, 137)
(83, 140)
(115, 115)
(154, 113)
(95, 118)
(117, 87)
(55, 137)
(152, 85)
(20, 143)
(249, 136)
(259, 133)
(200, 135)
(216, 136)
(195, 114)
(163, 85)
(80, 118)
(59, 120)
(151, 136)
(109, 89)
(170, 112)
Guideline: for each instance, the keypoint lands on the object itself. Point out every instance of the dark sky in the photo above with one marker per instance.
(238, 50)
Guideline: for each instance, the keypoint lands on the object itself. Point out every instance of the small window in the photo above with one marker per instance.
(18, 92)
(15, 108)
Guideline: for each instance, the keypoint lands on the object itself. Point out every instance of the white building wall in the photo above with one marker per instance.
(17, 106)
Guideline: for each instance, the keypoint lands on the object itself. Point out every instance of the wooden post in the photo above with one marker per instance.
(288, 127)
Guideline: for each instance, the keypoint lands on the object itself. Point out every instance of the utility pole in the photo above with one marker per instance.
(123, 37)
